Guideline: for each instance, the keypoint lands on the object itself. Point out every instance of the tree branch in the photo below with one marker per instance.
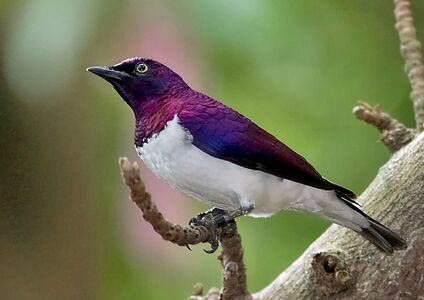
(411, 49)
(394, 134)
(234, 285)
(234, 282)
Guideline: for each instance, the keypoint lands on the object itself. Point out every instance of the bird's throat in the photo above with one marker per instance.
(152, 117)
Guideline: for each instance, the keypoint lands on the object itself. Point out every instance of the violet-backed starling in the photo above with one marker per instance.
(212, 153)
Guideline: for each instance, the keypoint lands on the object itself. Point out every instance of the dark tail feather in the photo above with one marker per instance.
(382, 237)
(378, 234)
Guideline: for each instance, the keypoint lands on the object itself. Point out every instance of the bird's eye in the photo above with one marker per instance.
(141, 68)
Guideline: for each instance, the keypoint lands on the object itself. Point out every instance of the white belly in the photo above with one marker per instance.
(172, 157)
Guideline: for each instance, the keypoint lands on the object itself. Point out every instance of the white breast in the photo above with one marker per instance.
(172, 157)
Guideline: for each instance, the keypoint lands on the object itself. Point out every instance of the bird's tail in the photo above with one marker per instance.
(375, 232)
(378, 234)
(381, 236)
(339, 206)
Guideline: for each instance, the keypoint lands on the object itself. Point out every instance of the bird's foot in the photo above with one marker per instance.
(214, 219)
(211, 219)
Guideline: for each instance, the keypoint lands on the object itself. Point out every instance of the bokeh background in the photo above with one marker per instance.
(297, 68)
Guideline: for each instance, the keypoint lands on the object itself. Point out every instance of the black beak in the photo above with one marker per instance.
(108, 73)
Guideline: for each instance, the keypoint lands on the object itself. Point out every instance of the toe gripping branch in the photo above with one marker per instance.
(234, 284)
(217, 221)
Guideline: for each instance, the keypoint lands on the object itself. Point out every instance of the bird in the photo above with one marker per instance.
(212, 153)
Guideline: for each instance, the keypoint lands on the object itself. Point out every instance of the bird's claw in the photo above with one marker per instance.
(214, 245)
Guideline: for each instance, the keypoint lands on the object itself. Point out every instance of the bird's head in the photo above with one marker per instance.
(140, 79)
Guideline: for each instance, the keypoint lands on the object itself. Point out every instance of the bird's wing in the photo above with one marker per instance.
(223, 133)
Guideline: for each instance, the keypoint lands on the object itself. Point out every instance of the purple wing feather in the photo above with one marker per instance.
(223, 133)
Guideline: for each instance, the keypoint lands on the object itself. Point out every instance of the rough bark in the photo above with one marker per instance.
(342, 265)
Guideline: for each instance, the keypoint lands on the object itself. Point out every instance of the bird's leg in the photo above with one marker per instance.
(239, 212)
(215, 218)
(197, 220)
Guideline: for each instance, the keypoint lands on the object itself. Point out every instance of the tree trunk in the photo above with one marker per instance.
(360, 271)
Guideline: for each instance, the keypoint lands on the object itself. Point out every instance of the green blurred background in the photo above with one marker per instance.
(297, 68)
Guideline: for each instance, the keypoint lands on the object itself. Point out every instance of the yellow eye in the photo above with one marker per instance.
(141, 68)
